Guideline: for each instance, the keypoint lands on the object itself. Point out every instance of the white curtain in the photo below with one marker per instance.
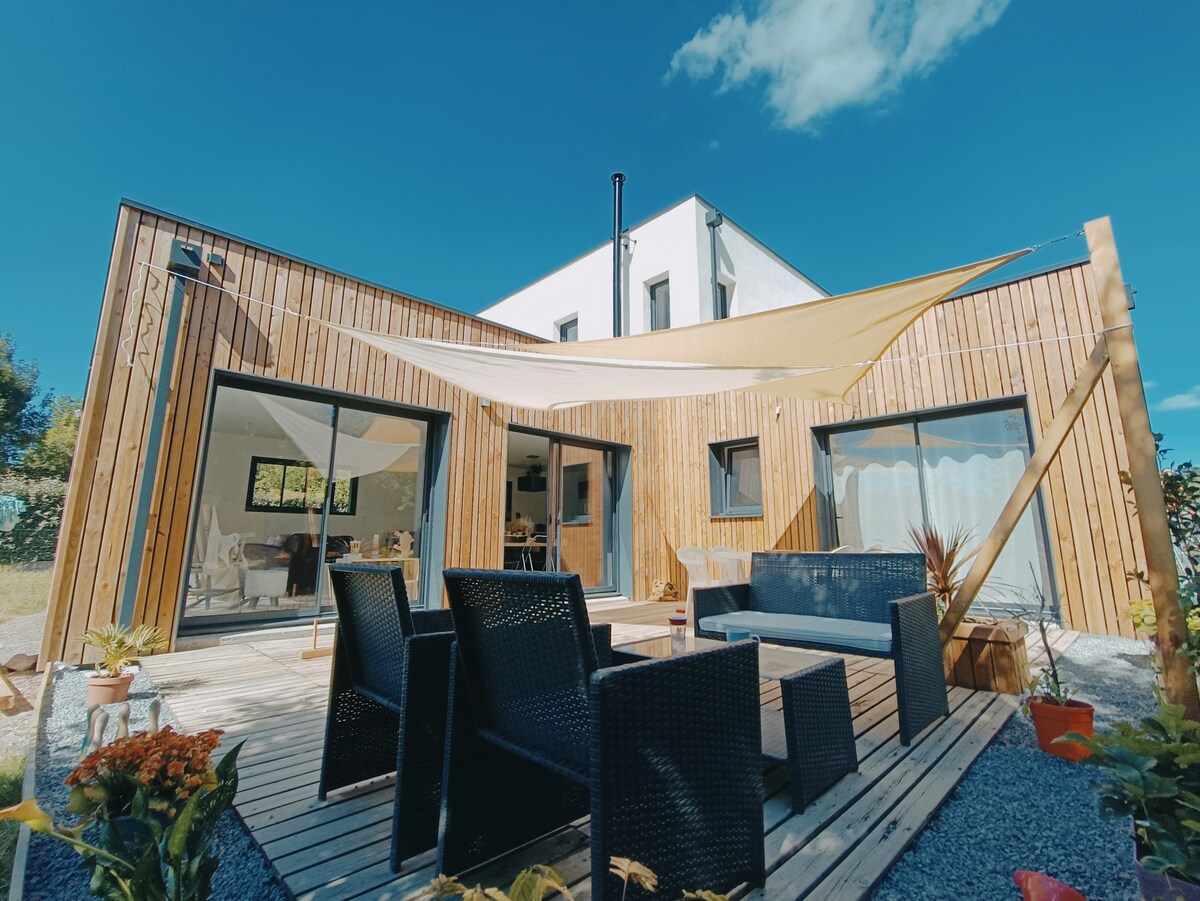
(971, 492)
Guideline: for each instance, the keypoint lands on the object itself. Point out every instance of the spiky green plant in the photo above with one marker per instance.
(946, 558)
(120, 646)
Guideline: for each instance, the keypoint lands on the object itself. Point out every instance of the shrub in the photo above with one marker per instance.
(36, 533)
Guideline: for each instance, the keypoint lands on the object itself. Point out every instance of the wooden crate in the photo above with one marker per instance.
(989, 657)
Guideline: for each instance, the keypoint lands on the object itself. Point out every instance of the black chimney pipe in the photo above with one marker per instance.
(618, 179)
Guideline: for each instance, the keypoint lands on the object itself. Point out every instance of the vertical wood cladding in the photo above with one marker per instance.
(1092, 537)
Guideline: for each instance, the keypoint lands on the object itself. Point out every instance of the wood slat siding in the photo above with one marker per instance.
(1092, 538)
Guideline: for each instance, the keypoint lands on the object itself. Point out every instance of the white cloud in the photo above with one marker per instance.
(714, 145)
(1188, 400)
(1149, 384)
(816, 56)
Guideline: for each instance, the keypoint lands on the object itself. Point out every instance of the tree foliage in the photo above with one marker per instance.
(22, 416)
(49, 454)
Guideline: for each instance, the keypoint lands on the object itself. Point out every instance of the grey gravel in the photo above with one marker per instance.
(1019, 808)
(53, 872)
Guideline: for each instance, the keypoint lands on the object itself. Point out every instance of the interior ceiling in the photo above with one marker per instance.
(521, 445)
(238, 412)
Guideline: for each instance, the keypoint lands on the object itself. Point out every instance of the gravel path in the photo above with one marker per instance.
(1020, 808)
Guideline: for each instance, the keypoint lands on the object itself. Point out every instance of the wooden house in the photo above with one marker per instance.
(230, 443)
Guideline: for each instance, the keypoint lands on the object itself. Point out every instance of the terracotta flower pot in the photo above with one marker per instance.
(1052, 720)
(108, 689)
(1161, 887)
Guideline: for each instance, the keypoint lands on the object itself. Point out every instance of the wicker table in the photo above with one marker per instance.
(813, 734)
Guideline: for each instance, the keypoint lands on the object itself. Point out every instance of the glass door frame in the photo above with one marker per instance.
(827, 527)
(615, 493)
(433, 495)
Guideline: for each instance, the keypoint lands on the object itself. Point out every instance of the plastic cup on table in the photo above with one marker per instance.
(678, 623)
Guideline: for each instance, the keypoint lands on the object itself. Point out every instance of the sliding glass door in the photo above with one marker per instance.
(948, 470)
(559, 509)
(291, 482)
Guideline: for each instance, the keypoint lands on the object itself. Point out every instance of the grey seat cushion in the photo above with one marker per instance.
(820, 630)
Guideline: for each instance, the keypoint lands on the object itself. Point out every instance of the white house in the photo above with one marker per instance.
(666, 275)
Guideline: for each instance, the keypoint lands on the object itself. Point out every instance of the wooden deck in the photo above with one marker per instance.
(837, 848)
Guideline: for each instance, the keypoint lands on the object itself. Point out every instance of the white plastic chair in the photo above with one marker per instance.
(731, 563)
(695, 561)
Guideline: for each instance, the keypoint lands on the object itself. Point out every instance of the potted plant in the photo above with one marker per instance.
(119, 648)
(1050, 705)
(1152, 774)
(155, 799)
(945, 558)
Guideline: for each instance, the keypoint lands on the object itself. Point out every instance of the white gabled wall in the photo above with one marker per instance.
(673, 244)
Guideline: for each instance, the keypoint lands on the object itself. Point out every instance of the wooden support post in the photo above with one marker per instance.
(1145, 480)
(1047, 449)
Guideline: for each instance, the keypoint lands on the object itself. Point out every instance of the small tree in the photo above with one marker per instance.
(22, 418)
(49, 454)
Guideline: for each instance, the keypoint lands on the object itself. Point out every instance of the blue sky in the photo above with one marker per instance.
(458, 154)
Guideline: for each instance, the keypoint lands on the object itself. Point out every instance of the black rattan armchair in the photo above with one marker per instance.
(387, 698)
(665, 755)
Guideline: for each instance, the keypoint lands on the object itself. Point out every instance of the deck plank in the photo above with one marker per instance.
(839, 847)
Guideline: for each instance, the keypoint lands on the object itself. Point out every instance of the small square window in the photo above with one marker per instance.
(735, 478)
(568, 329)
(660, 305)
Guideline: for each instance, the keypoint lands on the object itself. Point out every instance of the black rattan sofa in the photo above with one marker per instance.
(870, 604)
(664, 755)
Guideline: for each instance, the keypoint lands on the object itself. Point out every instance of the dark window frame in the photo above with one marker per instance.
(827, 531)
(573, 322)
(252, 506)
(655, 324)
(720, 472)
(722, 311)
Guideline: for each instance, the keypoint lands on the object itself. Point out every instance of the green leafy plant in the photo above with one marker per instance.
(1152, 774)
(1181, 494)
(120, 646)
(157, 802)
(946, 558)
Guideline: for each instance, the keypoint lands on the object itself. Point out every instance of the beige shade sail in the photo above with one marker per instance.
(815, 350)
(547, 383)
(833, 337)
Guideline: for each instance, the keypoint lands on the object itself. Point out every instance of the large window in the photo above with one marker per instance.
(735, 478)
(951, 469)
(270, 515)
(291, 485)
(660, 305)
(568, 329)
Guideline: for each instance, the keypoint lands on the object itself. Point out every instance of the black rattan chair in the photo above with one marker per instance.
(387, 698)
(665, 755)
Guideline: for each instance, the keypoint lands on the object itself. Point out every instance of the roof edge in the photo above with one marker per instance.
(991, 280)
(192, 223)
(641, 222)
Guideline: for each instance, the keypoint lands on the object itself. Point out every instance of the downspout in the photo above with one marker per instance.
(618, 179)
(713, 220)
(184, 261)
